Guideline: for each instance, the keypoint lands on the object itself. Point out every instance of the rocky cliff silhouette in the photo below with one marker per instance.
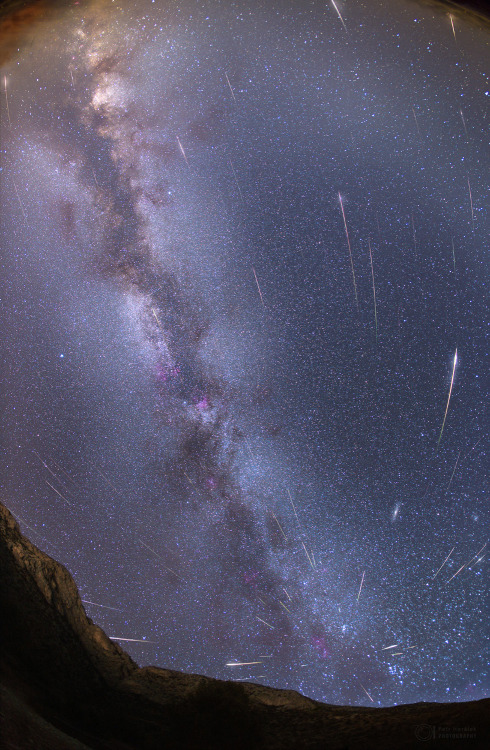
(64, 685)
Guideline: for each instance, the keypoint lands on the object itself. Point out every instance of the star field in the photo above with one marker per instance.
(242, 243)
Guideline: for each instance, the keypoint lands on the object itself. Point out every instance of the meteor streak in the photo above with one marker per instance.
(385, 648)
(350, 251)
(472, 449)
(116, 609)
(160, 558)
(443, 564)
(417, 123)
(19, 518)
(229, 85)
(156, 317)
(457, 573)
(182, 151)
(58, 493)
(452, 26)
(135, 640)
(293, 506)
(449, 397)
(236, 180)
(477, 554)
(7, 99)
(414, 236)
(241, 663)
(455, 465)
(58, 466)
(471, 204)
(193, 484)
(249, 450)
(265, 623)
(366, 692)
(464, 122)
(258, 286)
(106, 479)
(20, 202)
(475, 557)
(46, 465)
(360, 587)
(338, 13)
(374, 289)
(307, 555)
(282, 531)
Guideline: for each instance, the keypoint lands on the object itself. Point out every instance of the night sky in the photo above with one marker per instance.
(237, 419)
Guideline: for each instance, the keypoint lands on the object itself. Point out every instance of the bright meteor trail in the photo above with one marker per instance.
(258, 287)
(374, 290)
(338, 13)
(449, 396)
(350, 251)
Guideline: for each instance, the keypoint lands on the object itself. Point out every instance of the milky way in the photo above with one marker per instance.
(242, 245)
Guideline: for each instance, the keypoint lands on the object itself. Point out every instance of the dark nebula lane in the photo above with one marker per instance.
(242, 244)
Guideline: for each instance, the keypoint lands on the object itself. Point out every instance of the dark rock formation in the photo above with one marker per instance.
(65, 686)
